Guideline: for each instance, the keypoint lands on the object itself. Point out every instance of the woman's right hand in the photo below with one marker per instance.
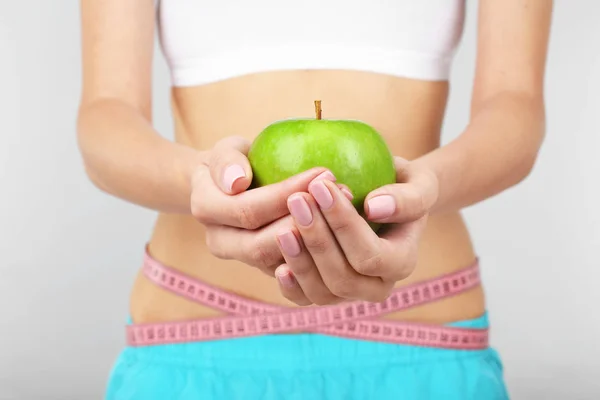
(242, 224)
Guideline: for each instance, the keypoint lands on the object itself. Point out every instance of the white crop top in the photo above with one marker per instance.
(211, 40)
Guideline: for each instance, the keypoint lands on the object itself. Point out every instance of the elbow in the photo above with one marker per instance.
(524, 168)
(528, 156)
(87, 150)
(91, 169)
(94, 176)
(530, 133)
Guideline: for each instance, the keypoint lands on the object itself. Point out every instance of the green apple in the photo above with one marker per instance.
(352, 150)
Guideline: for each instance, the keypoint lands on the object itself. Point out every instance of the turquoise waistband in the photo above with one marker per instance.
(298, 351)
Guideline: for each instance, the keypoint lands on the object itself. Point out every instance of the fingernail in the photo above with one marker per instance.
(289, 244)
(381, 207)
(300, 210)
(321, 194)
(231, 175)
(347, 193)
(285, 277)
(325, 175)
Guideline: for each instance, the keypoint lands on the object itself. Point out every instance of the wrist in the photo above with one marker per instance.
(186, 162)
(449, 164)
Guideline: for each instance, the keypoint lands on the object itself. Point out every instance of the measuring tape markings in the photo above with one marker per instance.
(351, 320)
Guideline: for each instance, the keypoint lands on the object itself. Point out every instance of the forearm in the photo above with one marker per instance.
(125, 157)
(496, 151)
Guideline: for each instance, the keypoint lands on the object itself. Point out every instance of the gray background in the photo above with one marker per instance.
(69, 253)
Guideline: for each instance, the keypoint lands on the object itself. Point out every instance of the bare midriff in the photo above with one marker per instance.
(408, 113)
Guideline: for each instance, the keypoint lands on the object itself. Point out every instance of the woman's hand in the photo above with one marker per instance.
(332, 254)
(241, 224)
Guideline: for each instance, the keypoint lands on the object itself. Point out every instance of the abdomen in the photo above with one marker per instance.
(408, 113)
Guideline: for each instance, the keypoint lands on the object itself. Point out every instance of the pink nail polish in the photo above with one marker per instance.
(325, 175)
(347, 193)
(321, 194)
(381, 207)
(231, 175)
(285, 277)
(289, 244)
(300, 210)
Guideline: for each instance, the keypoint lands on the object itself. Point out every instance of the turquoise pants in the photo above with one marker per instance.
(306, 367)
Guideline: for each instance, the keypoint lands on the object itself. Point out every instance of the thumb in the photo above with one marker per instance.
(406, 201)
(229, 166)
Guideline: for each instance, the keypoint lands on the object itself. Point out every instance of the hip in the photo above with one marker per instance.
(344, 355)
(307, 366)
(178, 242)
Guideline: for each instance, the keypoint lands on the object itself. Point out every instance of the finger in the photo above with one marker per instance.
(251, 209)
(300, 262)
(229, 166)
(360, 245)
(337, 274)
(257, 248)
(289, 286)
(400, 243)
(346, 191)
(364, 250)
(406, 201)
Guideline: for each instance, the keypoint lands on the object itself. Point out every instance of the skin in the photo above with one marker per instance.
(210, 227)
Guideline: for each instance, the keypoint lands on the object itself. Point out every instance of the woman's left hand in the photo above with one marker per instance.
(335, 256)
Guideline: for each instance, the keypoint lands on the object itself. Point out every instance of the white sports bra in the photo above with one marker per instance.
(206, 41)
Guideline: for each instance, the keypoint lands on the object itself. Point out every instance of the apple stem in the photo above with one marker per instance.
(318, 108)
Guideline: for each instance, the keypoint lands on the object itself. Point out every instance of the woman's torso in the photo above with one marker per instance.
(407, 112)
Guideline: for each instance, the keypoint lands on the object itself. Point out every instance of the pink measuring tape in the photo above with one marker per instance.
(352, 320)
